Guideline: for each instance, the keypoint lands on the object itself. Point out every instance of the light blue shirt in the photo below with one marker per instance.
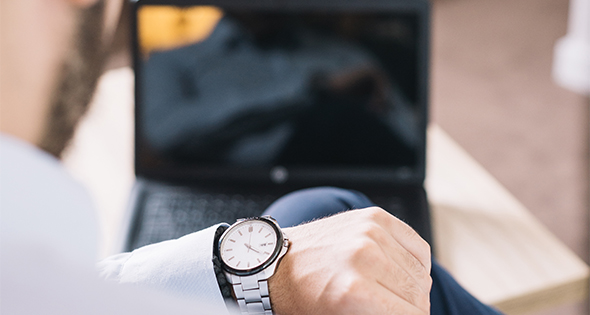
(48, 247)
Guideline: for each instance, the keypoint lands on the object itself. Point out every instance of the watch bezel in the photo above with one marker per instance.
(268, 262)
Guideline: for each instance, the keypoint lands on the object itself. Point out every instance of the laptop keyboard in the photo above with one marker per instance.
(170, 214)
(167, 212)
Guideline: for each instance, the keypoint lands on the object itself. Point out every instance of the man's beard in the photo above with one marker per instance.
(76, 82)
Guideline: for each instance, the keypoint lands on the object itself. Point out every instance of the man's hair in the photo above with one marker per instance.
(77, 81)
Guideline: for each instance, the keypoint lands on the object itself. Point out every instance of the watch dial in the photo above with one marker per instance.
(248, 245)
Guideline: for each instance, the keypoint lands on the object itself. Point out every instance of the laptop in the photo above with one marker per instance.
(240, 102)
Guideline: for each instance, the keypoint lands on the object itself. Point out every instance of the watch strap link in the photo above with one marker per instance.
(252, 295)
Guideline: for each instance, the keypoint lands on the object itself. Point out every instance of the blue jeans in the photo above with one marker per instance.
(447, 297)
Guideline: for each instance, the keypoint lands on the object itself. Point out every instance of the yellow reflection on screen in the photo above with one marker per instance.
(168, 27)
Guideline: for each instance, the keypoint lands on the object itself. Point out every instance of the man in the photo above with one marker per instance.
(357, 262)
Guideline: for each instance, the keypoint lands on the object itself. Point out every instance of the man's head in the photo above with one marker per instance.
(53, 52)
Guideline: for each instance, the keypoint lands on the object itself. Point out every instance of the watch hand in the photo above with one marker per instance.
(257, 250)
(250, 248)
(250, 240)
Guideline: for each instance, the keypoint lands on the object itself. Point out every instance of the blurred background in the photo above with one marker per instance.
(492, 90)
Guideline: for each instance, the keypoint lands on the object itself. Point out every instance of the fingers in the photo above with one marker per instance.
(378, 267)
(355, 294)
(394, 304)
(400, 258)
(403, 234)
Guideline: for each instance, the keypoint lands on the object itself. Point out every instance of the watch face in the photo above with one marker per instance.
(248, 245)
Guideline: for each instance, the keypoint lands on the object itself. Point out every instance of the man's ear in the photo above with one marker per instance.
(83, 3)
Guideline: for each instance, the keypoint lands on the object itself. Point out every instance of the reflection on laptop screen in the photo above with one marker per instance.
(247, 89)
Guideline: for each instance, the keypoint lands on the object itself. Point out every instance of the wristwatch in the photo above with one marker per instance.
(248, 253)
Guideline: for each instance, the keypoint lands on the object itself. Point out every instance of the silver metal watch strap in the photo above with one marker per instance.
(252, 295)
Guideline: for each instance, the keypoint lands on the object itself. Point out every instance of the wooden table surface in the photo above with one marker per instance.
(489, 241)
(493, 246)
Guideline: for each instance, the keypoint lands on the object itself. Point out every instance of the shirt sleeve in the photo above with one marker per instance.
(182, 267)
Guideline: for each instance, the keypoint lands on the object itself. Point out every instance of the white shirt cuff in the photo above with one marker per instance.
(181, 267)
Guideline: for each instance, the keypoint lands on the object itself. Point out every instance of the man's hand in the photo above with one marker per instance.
(357, 262)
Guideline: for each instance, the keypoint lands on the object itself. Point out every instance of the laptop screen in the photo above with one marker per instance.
(315, 96)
